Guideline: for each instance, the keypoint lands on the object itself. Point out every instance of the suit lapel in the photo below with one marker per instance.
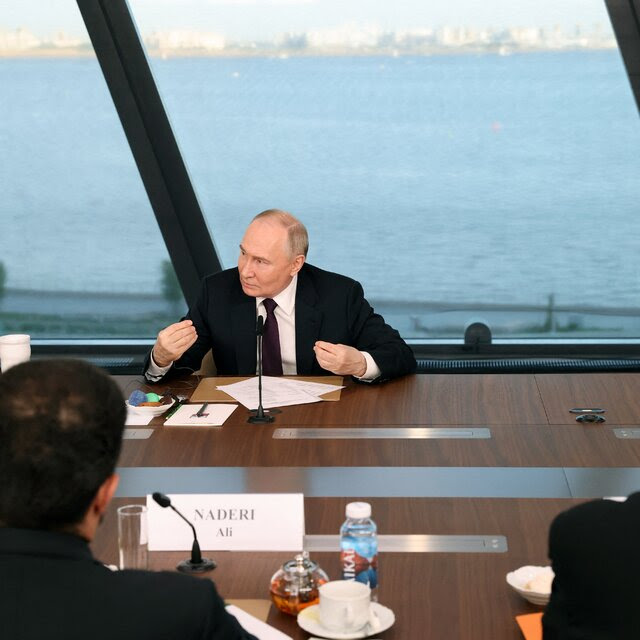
(308, 319)
(243, 317)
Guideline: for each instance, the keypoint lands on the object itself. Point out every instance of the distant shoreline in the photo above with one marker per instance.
(56, 52)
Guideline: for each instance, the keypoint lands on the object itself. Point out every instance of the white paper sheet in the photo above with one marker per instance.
(276, 392)
(259, 629)
(214, 415)
(137, 419)
(316, 388)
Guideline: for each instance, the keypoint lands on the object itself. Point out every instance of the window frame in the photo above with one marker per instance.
(189, 242)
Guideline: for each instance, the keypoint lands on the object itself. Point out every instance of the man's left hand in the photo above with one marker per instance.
(340, 359)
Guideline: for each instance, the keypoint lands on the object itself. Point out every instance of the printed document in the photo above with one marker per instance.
(276, 391)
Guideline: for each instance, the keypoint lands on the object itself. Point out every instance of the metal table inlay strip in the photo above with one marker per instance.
(628, 433)
(137, 434)
(353, 482)
(418, 543)
(386, 433)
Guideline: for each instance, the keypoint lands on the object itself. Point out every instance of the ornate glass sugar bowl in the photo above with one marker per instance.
(295, 585)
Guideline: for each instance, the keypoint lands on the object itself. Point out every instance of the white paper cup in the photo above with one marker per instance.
(14, 349)
(345, 605)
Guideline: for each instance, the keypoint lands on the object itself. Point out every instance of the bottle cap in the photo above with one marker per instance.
(358, 510)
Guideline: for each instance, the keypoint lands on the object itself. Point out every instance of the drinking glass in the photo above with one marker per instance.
(132, 537)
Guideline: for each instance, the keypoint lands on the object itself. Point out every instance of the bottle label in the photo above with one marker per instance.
(359, 560)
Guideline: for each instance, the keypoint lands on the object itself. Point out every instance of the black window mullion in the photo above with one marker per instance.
(625, 20)
(128, 76)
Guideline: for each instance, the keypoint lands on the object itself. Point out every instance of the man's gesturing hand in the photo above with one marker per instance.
(173, 341)
(340, 359)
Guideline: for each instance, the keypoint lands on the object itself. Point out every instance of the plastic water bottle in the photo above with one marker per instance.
(359, 546)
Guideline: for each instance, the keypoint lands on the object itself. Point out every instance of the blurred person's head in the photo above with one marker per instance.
(61, 425)
(272, 251)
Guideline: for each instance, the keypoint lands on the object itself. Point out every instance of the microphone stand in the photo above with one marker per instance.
(195, 564)
(259, 416)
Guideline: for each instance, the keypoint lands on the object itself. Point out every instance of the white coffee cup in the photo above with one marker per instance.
(14, 349)
(345, 605)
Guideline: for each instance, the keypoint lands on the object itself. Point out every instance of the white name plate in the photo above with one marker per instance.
(228, 522)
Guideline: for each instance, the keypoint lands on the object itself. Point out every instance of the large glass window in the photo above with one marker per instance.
(464, 161)
(81, 255)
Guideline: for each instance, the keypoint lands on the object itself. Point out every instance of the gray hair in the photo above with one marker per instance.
(297, 232)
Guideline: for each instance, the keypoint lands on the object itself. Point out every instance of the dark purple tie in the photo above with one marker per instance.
(271, 357)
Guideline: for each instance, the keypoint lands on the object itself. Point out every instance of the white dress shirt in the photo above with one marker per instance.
(285, 314)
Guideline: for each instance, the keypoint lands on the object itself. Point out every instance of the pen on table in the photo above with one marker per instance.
(173, 409)
(200, 411)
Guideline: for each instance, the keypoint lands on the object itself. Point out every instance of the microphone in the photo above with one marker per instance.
(197, 564)
(259, 416)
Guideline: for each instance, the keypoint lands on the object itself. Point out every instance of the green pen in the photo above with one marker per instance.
(173, 410)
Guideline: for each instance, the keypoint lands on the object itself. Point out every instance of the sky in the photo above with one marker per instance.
(263, 19)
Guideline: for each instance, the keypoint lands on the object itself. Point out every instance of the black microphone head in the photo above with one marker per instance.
(260, 325)
(161, 499)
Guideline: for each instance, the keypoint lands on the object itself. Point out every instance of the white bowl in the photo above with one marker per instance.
(151, 411)
(519, 578)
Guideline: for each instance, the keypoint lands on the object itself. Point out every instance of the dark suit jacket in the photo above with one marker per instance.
(595, 553)
(328, 307)
(51, 587)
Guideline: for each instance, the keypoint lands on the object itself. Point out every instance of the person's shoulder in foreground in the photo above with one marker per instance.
(52, 587)
(61, 425)
(596, 560)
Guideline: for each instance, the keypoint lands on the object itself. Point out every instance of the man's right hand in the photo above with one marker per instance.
(173, 341)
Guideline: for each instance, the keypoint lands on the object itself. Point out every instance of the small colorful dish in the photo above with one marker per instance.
(151, 411)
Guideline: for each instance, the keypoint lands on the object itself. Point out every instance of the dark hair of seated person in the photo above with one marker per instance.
(61, 425)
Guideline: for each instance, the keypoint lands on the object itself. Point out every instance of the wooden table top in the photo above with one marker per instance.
(434, 595)
(527, 414)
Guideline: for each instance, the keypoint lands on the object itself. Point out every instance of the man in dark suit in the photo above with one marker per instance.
(595, 555)
(321, 321)
(61, 425)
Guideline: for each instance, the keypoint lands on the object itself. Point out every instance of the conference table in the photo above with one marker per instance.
(486, 461)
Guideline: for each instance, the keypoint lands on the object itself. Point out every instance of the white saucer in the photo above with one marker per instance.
(309, 620)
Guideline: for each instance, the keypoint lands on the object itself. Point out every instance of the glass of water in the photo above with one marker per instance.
(132, 537)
